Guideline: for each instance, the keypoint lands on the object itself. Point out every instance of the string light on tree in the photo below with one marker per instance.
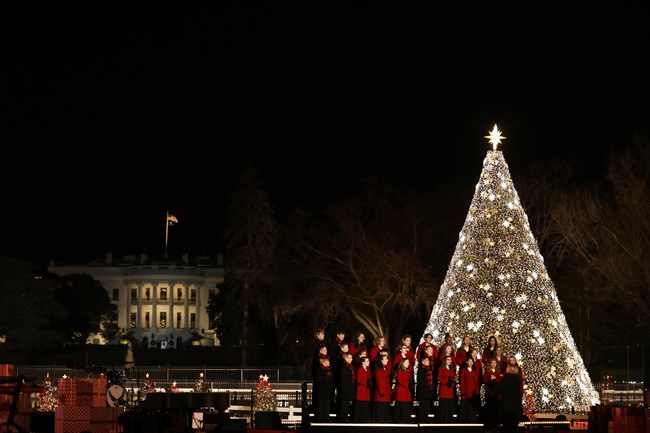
(148, 386)
(47, 401)
(497, 284)
(265, 399)
(201, 385)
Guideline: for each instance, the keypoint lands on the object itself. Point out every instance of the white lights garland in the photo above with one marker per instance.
(501, 287)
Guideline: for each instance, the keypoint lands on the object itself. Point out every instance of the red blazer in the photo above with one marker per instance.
(411, 355)
(353, 348)
(460, 357)
(363, 384)
(443, 378)
(382, 384)
(503, 363)
(487, 377)
(374, 352)
(441, 350)
(469, 386)
(402, 385)
(398, 358)
(487, 354)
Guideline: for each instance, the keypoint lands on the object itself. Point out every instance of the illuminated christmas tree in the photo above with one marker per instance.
(265, 399)
(201, 385)
(48, 400)
(497, 284)
(148, 386)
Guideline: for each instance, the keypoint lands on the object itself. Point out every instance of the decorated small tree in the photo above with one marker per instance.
(148, 386)
(265, 399)
(47, 401)
(529, 405)
(201, 385)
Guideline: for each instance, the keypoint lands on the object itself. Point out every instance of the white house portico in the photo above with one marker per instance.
(161, 303)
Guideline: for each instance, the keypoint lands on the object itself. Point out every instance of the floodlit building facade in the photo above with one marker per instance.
(161, 303)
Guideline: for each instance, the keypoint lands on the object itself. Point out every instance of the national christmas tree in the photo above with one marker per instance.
(47, 401)
(497, 284)
(265, 399)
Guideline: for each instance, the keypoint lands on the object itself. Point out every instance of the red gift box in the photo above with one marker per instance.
(98, 393)
(71, 419)
(6, 370)
(74, 392)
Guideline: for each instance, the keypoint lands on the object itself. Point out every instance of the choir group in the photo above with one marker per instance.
(366, 384)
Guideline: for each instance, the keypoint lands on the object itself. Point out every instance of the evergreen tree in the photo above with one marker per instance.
(497, 284)
(265, 398)
(251, 238)
(48, 400)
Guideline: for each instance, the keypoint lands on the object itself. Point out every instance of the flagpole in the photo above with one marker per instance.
(166, 232)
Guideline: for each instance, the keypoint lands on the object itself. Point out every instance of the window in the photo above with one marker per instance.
(147, 294)
(193, 295)
(116, 294)
(147, 321)
(179, 293)
(192, 320)
(163, 294)
(134, 295)
(163, 320)
(178, 320)
(134, 319)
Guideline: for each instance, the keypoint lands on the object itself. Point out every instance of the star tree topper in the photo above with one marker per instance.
(495, 137)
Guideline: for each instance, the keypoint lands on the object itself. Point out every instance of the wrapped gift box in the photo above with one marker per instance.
(23, 408)
(75, 392)
(6, 370)
(71, 419)
(98, 393)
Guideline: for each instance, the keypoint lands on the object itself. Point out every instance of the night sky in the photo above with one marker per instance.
(116, 116)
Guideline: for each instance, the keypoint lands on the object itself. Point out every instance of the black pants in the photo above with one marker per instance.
(510, 421)
(424, 409)
(324, 407)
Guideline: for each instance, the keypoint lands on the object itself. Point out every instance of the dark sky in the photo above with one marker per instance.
(116, 116)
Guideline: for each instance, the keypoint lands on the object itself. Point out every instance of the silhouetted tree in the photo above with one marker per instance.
(367, 259)
(251, 238)
(597, 234)
(88, 308)
(29, 309)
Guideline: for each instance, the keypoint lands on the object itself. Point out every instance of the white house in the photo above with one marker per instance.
(162, 302)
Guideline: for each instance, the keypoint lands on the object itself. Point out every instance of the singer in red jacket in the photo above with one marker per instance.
(447, 390)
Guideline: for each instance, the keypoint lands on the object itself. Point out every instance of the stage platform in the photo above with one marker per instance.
(395, 428)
